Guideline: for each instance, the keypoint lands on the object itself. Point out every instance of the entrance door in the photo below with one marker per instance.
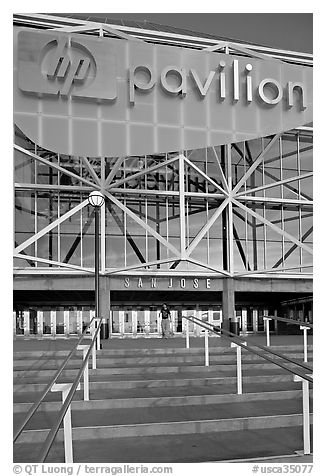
(250, 320)
(188, 312)
(140, 321)
(153, 320)
(127, 321)
(19, 324)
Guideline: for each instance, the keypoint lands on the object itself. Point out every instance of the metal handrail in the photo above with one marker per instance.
(35, 405)
(243, 343)
(291, 321)
(55, 428)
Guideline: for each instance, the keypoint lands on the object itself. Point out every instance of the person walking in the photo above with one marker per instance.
(165, 315)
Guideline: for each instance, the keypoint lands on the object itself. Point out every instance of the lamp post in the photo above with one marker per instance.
(96, 200)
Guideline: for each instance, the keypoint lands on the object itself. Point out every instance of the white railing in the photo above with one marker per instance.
(300, 375)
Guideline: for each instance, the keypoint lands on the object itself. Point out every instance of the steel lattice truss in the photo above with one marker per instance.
(229, 198)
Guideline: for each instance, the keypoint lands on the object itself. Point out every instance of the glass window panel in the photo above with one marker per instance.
(25, 212)
(24, 168)
(273, 253)
(20, 329)
(60, 321)
(47, 246)
(72, 320)
(47, 322)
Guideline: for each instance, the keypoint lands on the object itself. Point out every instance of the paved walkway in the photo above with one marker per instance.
(54, 344)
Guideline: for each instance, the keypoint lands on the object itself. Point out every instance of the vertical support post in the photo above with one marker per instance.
(306, 415)
(206, 349)
(239, 367)
(187, 334)
(305, 343)
(268, 341)
(98, 338)
(228, 305)
(67, 429)
(94, 346)
(85, 348)
(97, 261)
(182, 206)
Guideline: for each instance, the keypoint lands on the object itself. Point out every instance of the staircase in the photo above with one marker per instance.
(163, 405)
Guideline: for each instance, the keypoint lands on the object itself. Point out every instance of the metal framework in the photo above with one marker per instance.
(188, 207)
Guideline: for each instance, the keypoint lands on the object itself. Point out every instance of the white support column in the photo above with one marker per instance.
(102, 238)
(206, 349)
(305, 342)
(94, 346)
(39, 318)
(26, 322)
(85, 348)
(98, 337)
(66, 323)
(67, 429)
(306, 415)
(239, 367)
(268, 341)
(53, 315)
(182, 206)
(187, 334)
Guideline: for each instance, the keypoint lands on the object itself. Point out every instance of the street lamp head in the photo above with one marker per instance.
(96, 199)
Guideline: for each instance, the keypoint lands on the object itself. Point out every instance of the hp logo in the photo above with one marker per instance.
(67, 66)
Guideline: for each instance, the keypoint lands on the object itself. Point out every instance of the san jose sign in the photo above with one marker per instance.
(80, 95)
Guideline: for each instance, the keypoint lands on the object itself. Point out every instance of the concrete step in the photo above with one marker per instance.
(109, 393)
(162, 401)
(181, 448)
(181, 381)
(31, 376)
(54, 363)
(180, 427)
(134, 352)
(130, 417)
(97, 375)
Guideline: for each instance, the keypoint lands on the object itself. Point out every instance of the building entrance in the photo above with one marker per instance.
(133, 320)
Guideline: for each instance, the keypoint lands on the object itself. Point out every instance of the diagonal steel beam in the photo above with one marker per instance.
(274, 184)
(219, 46)
(119, 33)
(218, 163)
(256, 163)
(128, 236)
(94, 27)
(270, 270)
(253, 54)
(77, 240)
(55, 263)
(142, 223)
(52, 225)
(207, 266)
(268, 174)
(53, 165)
(142, 265)
(113, 172)
(245, 260)
(206, 227)
(91, 171)
(205, 176)
(269, 200)
(273, 227)
(143, 172)
(292, 249)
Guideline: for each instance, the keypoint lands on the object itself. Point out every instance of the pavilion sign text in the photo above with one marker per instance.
(80, 95)
(268, 91)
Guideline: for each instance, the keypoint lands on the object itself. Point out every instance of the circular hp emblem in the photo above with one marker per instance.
(67, 65)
